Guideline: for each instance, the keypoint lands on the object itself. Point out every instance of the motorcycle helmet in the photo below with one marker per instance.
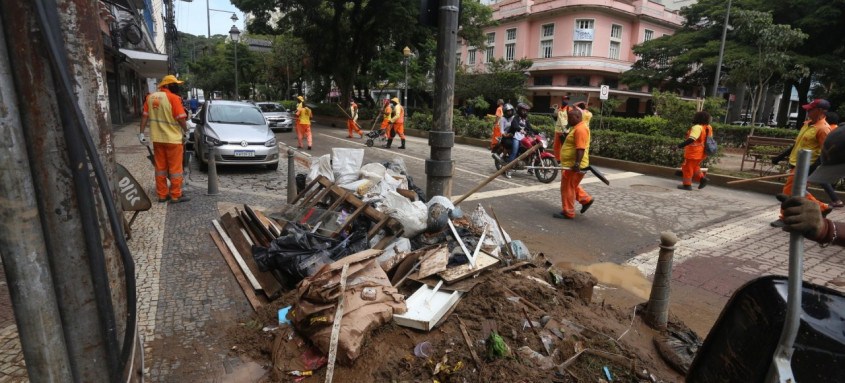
(524, 106)
(508, 108)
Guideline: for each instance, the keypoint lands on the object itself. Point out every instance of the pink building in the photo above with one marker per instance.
(576, 46)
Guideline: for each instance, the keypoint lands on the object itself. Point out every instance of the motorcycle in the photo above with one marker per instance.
(541, 163)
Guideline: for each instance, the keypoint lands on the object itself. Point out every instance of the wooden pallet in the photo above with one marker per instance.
(322, 193)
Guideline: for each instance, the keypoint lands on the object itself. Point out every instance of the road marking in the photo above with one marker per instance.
(541, 187)
(423, 159)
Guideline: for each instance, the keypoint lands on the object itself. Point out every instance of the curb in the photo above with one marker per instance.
(763, 187)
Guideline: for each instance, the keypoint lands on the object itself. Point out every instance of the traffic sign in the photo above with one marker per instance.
(605, 90)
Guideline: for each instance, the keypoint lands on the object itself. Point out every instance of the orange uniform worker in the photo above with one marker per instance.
(561, 126)
(352, 122)
(574, 156)
(397, 123)
(168, 131)
(385, 122)
(810, 137)
(303, 114)
(693, 147)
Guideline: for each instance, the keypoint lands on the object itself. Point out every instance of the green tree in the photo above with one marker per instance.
(501, 80)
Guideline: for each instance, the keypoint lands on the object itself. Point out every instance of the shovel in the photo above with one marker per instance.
(150, 157)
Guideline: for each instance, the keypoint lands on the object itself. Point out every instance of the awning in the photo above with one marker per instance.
(147, 64)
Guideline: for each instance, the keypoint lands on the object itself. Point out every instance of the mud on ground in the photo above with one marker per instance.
(388, 354)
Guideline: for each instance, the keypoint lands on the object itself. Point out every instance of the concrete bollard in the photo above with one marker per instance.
(212, 172)
(657, 308)
(291, 176)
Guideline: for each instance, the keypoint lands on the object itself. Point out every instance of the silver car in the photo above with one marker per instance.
(276, 115)
(238, 133)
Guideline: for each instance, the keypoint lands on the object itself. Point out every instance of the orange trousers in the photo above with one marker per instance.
(691, 170)
(352, 127)
(571, 191)
(397, 129)
(787, 189)
(303, 130)
(557, 144)
(497, 134)
(168, 164)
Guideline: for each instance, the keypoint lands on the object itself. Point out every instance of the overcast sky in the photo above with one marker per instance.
(191, 17)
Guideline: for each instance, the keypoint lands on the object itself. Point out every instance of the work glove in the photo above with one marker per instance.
(142, 139)
(801, 216)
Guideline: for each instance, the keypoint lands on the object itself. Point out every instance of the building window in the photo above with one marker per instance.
(648, 35)
(616, 32)
(510, 49)
(578, 80)
(491, 42)
(615, 46)
(543, 80)
(613, 83)
(583, 37)
(510, 44)
(547, 38)
(471, 56)
(458, 58)
(582, 48)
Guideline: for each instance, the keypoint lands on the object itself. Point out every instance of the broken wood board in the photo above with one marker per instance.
(457, 273)
(256, 301)
(426, 307)
(463, 286)
(269, 284)
(404, 267)
(433, 261)
(234, 251)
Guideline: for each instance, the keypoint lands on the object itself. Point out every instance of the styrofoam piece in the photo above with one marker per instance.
(426, 307)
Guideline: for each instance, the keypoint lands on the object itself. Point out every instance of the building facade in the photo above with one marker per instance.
(575, 46)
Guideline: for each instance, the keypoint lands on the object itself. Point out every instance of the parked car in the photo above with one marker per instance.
(239, 134)
(276, 115)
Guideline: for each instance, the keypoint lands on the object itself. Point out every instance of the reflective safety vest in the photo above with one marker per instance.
(163, 125)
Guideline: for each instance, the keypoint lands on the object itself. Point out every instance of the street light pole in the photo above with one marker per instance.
(721, 50)
(407, 53)
(234, 33)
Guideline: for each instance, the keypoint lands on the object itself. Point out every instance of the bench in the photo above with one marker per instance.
(760, 149)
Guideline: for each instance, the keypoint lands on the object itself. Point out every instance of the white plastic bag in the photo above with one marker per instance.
(322, 166)
(373, 171)
(412, 215)
(479, 218)
(346, 163)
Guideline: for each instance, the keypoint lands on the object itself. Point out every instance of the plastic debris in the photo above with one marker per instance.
(423, 349)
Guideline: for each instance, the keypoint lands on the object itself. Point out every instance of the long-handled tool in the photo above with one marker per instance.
(348, 116)
(781, 368)
(151, 157)
(769, 177)
(598, 174)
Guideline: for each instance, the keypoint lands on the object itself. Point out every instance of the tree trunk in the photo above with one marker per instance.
(783, 108)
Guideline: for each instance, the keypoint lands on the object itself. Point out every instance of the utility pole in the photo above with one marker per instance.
(721, 51)
(170, 36)
(57, 246)
(441, 139)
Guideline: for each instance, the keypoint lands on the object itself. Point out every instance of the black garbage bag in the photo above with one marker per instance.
(300, 182)
(299, 253)
(416, 189)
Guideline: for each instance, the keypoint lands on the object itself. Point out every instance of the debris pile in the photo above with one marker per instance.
(397, 289)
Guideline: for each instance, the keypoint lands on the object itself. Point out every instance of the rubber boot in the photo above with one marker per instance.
(403, 144)
(389, 142)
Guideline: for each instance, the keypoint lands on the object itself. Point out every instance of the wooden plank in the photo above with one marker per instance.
(457, 273)
(231, 246)
(254, 300)
(522, 300)
(304, 191)
(351, 218)
(433, 261)
(338, 315)
(469, 343)
(514, 266)
(252, 235)
(257, 224)
(269, 284)
(271, 224)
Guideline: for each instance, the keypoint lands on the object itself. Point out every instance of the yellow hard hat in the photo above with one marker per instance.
(169, 79)
(300, 98)
(395, 99)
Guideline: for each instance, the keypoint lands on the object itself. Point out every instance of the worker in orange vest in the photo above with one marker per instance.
(385, 120)
(693, 147)
(397, 123)
(810, 137)
(303, 114)
(168, 131)
(574, 159)
(352, 122)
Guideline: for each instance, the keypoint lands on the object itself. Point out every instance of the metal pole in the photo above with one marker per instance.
(291, 177)
(237, 96)
(721, 50)
(439, 167)
(781, 367)
(208, 18)
(657, 309)
(405, 101)
(24, 252)
(212, 172)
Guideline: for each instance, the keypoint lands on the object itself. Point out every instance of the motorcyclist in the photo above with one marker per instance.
(518, 129)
